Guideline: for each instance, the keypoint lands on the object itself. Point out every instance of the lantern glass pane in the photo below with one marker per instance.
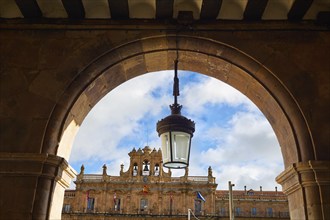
(166, 153)
(181, 143)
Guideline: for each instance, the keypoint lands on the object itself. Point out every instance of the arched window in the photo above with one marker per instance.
(146, 168)
(135, 169)
(156, 171)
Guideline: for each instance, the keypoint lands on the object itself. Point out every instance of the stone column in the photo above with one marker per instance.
(307, 185)
(32, 185)
(63, 178)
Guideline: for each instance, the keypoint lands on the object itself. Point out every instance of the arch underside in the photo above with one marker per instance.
(196, 54)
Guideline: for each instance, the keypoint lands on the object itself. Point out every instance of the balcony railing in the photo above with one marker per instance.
(257, 214)
(201, 215)
(254, 197)
(198, 178)
(92, 178)
(99, 178)
(69, 194)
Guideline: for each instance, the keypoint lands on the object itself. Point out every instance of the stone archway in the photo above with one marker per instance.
(212, 58)
(197, 54)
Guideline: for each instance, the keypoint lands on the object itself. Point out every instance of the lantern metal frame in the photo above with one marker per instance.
(175, 124)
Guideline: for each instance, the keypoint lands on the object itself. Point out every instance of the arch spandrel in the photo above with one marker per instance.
(211, 58)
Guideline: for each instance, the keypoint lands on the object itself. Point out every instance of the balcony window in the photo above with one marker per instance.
(237, 211)
(254, 211)
(90, 204)
(66, 208)
(269, 212)
(198, 207)
(143, 204)
(117, 204)
(222, 211)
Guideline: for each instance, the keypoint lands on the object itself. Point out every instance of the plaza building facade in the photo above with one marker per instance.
(145, 190)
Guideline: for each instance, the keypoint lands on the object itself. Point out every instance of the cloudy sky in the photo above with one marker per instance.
(232, 135)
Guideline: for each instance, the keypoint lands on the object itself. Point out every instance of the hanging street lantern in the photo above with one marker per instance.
(175, 132)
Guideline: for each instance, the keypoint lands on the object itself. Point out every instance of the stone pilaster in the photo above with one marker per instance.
(63, 178)
(307, 185)
(32, 185)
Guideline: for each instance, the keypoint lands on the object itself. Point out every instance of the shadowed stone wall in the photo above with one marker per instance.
(52, 75)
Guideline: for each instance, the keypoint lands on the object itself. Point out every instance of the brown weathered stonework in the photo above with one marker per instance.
(44, 97)
(307, 187)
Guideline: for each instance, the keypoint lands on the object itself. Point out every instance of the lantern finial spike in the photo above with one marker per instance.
(175, 107)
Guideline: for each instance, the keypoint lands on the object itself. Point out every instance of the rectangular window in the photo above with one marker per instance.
(90, 204)
(254, 211)
(198, 207)
(117, 204)
(269, 212)
(66, 208)
(144, 204)
(285, 214)
(237, 211)
(171, 204)
(222, 211)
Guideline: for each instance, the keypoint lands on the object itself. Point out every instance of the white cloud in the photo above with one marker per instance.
(246, 152)
(243, 149)
(117, 116)
(249, 138)
(210, 91)
(252, 176)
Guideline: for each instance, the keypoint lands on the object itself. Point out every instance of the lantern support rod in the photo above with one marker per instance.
(176, 91)
(176, 108)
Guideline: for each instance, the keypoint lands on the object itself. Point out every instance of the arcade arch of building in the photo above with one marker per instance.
(306, 177)
(200, 55)
(196, 54)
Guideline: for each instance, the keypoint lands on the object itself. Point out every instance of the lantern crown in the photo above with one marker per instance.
(176, 122)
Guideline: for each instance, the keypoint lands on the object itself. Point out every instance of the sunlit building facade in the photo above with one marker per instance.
(145, 189)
